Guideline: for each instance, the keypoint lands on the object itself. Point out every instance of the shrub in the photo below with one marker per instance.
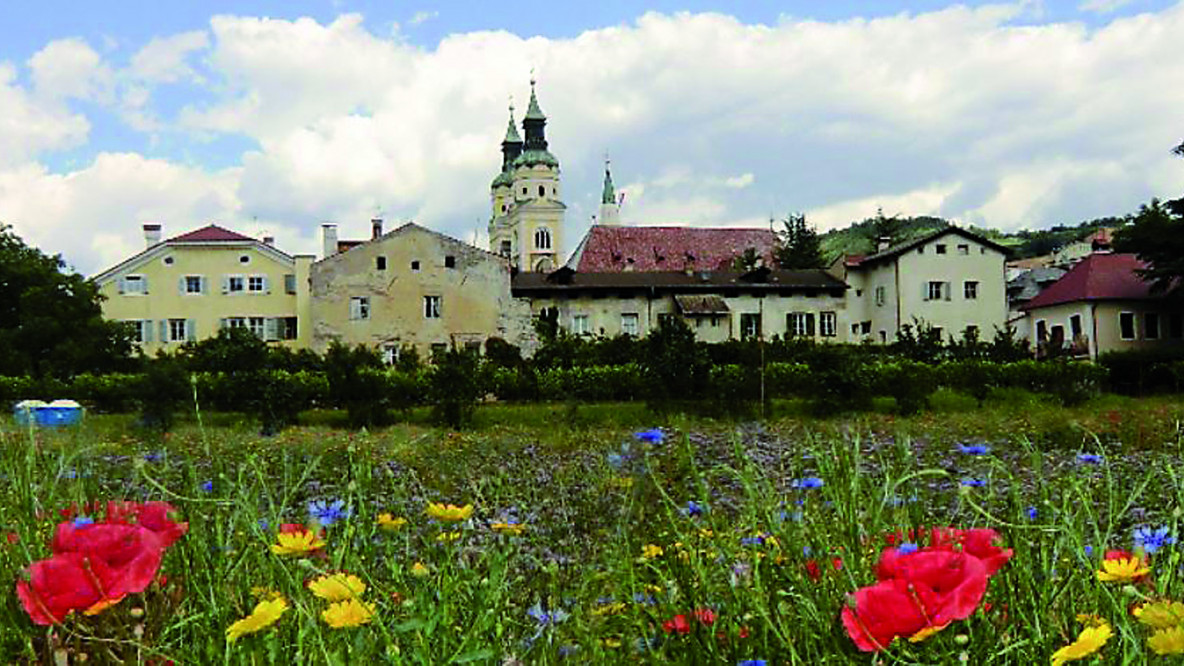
(357, 383)
(674, 365)
(453, 387)
(910, 382)
(161, 391)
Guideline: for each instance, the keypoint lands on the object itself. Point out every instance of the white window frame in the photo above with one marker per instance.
(881, 295)
(236, 280)
(630, 323)
(178, 334)
(258, 326)
(748, 318)
(798, 324)
(1134, 325)
(432, 305)
(579, 324)
(828, 323)
(141, 282)
(359, 308)
(201, 285)
(942, 290)
(542, 238)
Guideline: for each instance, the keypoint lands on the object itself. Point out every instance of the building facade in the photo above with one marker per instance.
(413, 286)
(188, 287)
(951, 279)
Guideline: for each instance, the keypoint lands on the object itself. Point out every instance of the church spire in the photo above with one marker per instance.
(609, 195)
(533, 112)
(534, 122)
(512, 144)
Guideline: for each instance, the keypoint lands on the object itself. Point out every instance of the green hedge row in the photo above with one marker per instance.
(852, 386)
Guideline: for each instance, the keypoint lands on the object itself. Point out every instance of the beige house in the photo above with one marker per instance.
(413, 286)
(188, 287)
(951, 279)
(1102, 305)
(717, 305)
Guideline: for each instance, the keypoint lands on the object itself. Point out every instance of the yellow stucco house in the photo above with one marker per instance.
(189, 286)
(412, 286)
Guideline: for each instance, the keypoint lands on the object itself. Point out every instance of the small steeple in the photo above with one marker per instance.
(533, 112)
(609, 195)
(512, 144)
(511, 129)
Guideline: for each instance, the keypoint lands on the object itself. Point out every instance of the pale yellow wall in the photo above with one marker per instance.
(213, 261)
(605, 314)
(1100, 319)
(475, 295)
(982, 264)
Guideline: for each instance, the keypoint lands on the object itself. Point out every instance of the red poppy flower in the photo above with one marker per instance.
(980, 543)
(678, 624)
(59, 585)
(948, 585)
(813, 570)
(130, 554)
(705, 615)
(881, 612)
(837, 563)
(154, 516)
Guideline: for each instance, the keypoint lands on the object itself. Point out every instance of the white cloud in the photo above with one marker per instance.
(166, 59)
(70, 68)
(1102, 6)
(423, 16)
(710, 121)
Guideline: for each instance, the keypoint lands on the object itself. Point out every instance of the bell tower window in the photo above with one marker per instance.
(542, 191)
(542, 238)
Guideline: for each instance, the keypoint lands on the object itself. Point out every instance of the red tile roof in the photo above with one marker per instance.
(210, 234)
(611, 249)
(1095, 278)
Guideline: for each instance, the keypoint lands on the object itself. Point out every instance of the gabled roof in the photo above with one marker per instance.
(566, 280)
(647, 249)
(211, 233)
(1028, 284)
(344, 246)
(901, 248)
(1097, 277)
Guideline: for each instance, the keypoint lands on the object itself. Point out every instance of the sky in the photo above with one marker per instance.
(271, 118)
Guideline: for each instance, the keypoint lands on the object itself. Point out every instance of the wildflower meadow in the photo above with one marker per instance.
(985, 537)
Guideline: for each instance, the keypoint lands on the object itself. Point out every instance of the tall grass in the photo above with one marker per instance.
(774, 561)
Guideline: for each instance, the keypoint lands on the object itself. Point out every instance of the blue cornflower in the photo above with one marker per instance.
(545, 618)
(973, 483)
(753, 541)
(1031, 513)
(807, 483)
(328, 512)
(1151, 539)
(974, 449)
(207, 486)
(83, 521)
(651, 436)
(1089, 551)
(906, 548)
(752, 662)
(153, 456)
(1089, 458)
(647, 599)
(694, 509)
(263, 524)
(69, 474)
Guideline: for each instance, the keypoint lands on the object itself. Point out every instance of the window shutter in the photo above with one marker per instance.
(924, 291)
(122, 286)
(355, 308)
(266, 284)
(225, 284)
(947, 288)
(181, 285)
(810, 324)
(144, 281)
(269, 329)
(205, 284)
(290, 283)
(164, 331)
(145, 329)
(223, 323)
(191, 330)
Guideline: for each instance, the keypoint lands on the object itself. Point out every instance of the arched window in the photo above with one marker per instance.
(542, 190)
(542, 238)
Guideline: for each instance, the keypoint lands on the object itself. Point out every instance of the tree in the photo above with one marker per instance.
(1156, 235)
(798, 245)
(887, 228)
(51, 321)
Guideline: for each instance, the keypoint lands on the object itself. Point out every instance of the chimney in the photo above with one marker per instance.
(151, 234)
(328, 240)
(376, 227)
(883, 243)
(269, 240)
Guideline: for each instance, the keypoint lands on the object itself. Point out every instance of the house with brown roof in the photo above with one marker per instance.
(617, 249)
(1101, 305)
(717, 305)
(190, 286)
(951, 279)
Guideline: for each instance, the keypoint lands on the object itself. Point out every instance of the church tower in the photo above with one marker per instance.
(610, 207)
(526, 224)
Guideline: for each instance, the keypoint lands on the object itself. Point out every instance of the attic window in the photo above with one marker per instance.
(449, 261)
(244, 259)
(168, 261)
(380, 263)
(940, 248)
(415, 265)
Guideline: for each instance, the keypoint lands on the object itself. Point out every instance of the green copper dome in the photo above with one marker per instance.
(533, 157)
(504, 178)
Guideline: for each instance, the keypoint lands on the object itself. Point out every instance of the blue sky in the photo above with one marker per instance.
(270, 117)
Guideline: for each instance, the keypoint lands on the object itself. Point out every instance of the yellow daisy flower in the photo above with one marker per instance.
(1123, 569)
(1161, 614)
(1167, 641)
(447, 537)
(1089, 641)
(266, 613)
(337, 587)
(350, 613)
(609, 609)
(419, 570)
(389, 523)
(297, 543)
(650, 551)
(449, 513)
(512, 529)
